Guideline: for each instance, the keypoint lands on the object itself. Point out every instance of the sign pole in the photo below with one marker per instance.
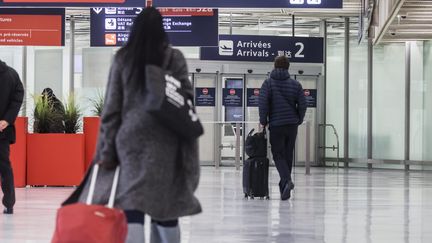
(293, 25)
(72, 57)
(231, 24)
(24, 80)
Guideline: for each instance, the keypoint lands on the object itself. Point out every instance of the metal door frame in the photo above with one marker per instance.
(220, 77)
(317, 112)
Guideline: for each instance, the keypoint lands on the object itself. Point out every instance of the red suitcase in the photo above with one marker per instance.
(86, 223)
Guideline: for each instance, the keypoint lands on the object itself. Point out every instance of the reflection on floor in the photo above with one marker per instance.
(329, 206)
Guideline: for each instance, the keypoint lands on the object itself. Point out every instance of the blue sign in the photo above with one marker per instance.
(232, 97)
(74, 3)
(111, 27)
(249, 3)
(311, 97)
(265, 49)
(205, 97)
(253, 97)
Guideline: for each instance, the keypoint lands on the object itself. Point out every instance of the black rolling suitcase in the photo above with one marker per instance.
(255, 177)
(256, 168)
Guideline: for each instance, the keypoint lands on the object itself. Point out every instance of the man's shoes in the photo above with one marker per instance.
(8, 211)
(286, 192)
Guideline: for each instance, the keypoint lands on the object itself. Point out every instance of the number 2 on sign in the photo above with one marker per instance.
(300, 52)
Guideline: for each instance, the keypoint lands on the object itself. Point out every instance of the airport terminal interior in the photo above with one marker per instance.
(363, 158)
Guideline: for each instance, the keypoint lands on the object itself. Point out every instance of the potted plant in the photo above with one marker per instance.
(43, 115)
(91, 127)
(98, 103)
(72, 116)
(55, 158)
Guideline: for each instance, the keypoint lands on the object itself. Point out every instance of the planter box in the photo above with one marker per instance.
(55, 159)
(91, 131)
(18, 152)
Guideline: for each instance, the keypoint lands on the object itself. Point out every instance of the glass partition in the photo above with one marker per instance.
(417, 101)
(427, 101)
(335, 87)
(358, 99)
(389, 101)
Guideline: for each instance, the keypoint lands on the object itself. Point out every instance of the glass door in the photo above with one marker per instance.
(205, 102)
(233, 118)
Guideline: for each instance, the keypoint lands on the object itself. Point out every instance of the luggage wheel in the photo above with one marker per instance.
(267, 198)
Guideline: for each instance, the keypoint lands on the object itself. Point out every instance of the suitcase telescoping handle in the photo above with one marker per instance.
(93, 186)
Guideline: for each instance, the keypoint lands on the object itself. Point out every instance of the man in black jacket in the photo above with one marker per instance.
(11, 98)
(282, 106)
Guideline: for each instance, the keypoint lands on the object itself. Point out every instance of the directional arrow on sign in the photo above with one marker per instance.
(97, 10)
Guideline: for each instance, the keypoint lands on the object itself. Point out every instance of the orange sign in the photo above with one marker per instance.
(31, 30)
(110, 39)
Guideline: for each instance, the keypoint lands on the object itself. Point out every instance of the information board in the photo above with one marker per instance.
(32, 27)
(205, 97)
(253, 97)
(232, 97)
(249, 3)
(311, 97)
(193, 27)
(265, 49)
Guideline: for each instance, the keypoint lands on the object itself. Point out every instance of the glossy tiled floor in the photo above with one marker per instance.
(330, 206)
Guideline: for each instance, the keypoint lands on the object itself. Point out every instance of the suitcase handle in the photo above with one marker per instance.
(264, 131)
(93, 186)
(250, 133)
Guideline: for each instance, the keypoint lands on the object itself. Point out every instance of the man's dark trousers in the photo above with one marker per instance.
(282, 140)
(6, 174)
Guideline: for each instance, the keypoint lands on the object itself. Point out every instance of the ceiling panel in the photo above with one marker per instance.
(413, 22)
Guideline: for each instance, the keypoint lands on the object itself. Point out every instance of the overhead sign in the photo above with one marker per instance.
(232, 97)
(74, 3)
(249, 3)
(265, 49)
(205, 97)
(32, 27)
(253, 97)
(185, 27)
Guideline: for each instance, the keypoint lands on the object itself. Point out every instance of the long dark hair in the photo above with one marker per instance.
(146, 44)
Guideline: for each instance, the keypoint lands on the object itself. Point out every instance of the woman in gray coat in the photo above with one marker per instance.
(159, 172)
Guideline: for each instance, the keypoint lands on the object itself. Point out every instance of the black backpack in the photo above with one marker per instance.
(256, 144)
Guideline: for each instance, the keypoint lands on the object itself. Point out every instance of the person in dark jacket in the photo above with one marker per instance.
(11, 99)
(58, 112)
(282, 106)
(159, 172)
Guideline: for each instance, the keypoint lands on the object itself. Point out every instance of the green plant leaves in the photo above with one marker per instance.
(43, 115)
(56, 118)
(98, 103)
(72, 117)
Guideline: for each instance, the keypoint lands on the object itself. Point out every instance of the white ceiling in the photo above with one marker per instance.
(413, 22)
